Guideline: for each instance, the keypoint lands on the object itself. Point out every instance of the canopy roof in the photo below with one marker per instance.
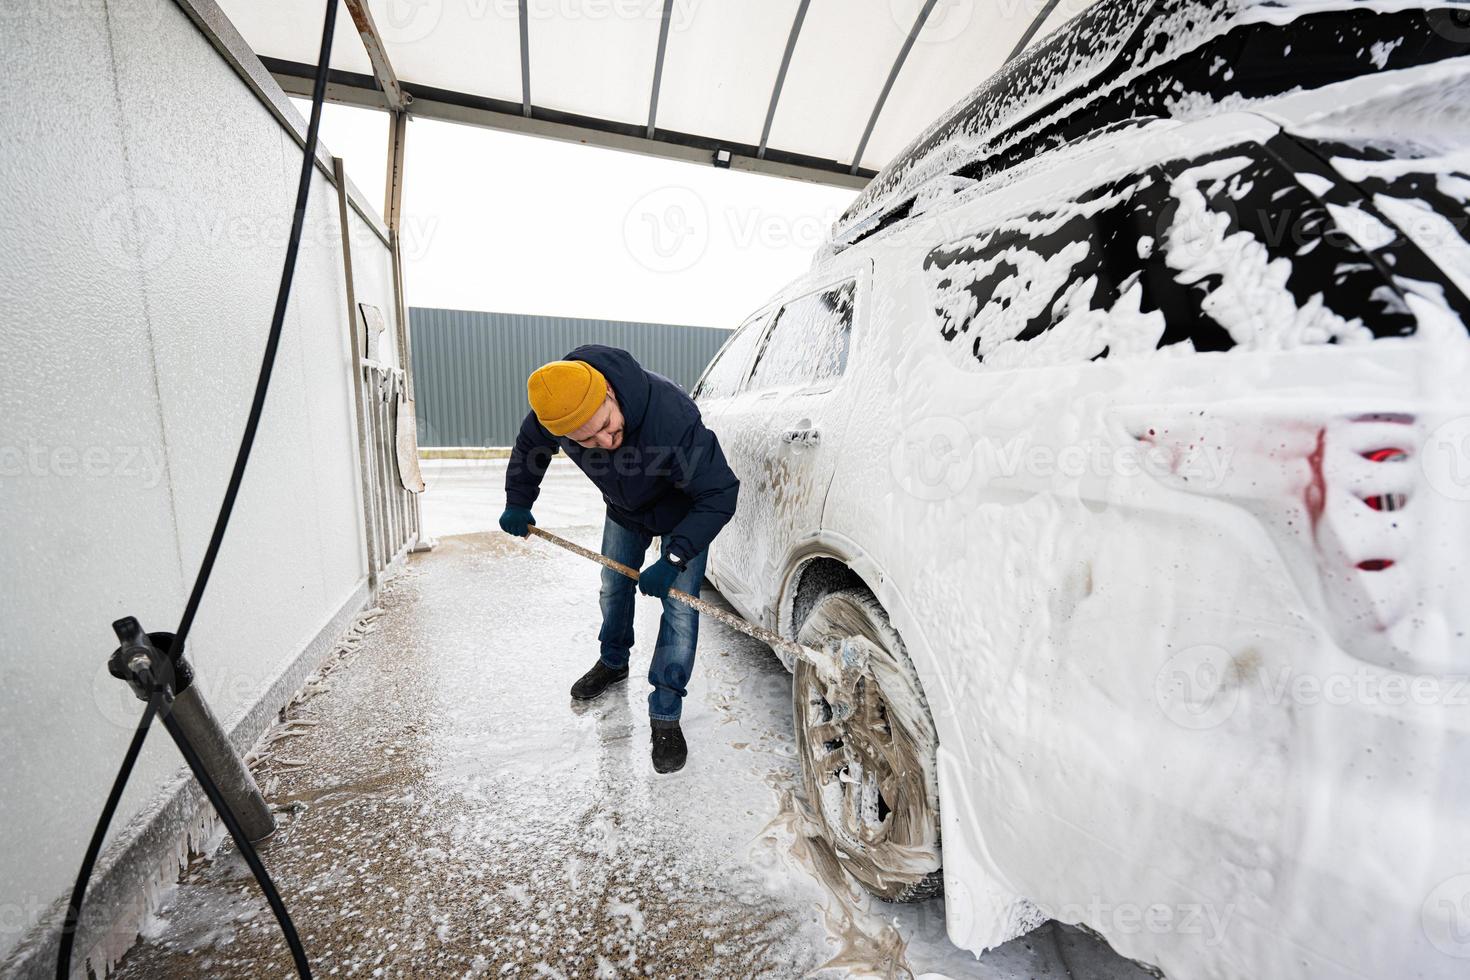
(826, 90)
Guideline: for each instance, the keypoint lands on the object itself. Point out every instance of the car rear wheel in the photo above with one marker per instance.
(866, 745)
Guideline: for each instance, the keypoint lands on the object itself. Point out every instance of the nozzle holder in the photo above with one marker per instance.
(167, 668)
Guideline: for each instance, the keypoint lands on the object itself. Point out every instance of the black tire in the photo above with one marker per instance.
(868, 764)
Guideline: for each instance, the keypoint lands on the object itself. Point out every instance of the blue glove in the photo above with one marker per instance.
(656, 579)
(515, 521)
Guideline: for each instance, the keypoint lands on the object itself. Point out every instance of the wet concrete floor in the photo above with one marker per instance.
(448, 811)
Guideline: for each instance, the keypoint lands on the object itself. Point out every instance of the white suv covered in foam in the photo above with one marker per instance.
(1127, 416)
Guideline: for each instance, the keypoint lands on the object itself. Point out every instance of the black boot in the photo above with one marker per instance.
(669, 750)
(591, 684)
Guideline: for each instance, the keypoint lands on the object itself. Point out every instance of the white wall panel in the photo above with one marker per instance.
(142, 241)
(79, 547)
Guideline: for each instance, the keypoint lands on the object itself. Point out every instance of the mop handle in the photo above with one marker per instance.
(729, 619)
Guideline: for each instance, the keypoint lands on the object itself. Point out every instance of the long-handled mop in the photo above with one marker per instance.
(838, 659)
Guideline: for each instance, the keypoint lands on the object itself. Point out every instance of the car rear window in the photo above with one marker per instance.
(808, 343)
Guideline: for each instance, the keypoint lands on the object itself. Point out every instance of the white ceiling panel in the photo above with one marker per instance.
(292, 30)
(472, 47)
(958, 48)
(594, 57)
(842, 59)
(721, 64)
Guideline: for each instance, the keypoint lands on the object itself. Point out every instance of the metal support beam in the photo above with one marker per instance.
(1031, 31)
(658, 64)
(377, 54)
(393, 173)
(348, 88)
(781, 76)
(525, 62)
(398, 137)
(359, 417)
(903, 55)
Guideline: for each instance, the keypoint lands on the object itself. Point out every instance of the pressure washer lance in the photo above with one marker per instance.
(838, 663)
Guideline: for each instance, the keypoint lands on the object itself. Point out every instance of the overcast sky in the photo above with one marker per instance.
(496, 221)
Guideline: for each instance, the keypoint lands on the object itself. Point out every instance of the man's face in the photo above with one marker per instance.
(604, 430)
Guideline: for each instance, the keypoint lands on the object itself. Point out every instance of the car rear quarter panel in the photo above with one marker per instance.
(1111, 576)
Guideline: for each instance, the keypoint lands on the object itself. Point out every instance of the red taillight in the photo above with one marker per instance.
(1387, 501)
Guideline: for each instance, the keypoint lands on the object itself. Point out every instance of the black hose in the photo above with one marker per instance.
(94, 847)
(247, 850)
(227, 506)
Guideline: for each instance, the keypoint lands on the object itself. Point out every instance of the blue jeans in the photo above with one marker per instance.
(678, 630)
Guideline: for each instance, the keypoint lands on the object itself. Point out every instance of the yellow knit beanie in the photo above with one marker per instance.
(565, 394)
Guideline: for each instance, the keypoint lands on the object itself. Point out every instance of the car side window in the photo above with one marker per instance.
(1234, 250)
(809, 340)
(723, 376)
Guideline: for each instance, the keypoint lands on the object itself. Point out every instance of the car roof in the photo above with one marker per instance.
(1074, 76)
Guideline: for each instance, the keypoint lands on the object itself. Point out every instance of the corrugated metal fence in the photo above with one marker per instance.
(470, 368)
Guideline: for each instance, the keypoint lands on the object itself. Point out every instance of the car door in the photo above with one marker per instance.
(781, 434)
(721, 382)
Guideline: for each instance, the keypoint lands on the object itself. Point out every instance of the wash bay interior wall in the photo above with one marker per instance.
(145, 219)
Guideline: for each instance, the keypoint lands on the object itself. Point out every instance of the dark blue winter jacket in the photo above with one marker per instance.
(668, 478)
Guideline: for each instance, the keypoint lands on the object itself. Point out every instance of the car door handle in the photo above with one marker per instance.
(802, 437)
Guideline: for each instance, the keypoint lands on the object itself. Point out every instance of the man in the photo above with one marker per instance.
(640, 439)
